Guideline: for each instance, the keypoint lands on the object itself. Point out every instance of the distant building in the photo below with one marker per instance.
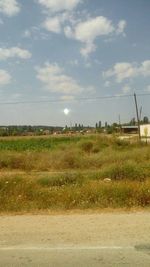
(30, 133)
(128, 129)
(46, 132)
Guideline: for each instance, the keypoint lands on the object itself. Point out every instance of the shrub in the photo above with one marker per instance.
(61, 180)
(120, 143)
(86, 146)
(126, 170)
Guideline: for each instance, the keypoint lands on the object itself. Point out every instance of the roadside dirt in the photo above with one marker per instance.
(75, 239)
(102, 229)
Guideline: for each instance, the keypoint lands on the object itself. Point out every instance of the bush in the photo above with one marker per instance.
(120, 143)
(128, 170)
(61, 180)
(86, 146)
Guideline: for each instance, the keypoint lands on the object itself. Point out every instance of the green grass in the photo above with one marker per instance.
(85, 143)
(34, 144)
(69, 172)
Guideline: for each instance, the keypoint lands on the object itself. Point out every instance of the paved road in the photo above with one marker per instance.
(75, 240)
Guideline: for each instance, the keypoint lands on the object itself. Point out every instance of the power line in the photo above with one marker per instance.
(64, 100)
(143, 94)
(74, 99)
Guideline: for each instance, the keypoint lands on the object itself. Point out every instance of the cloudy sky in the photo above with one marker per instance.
(63, 51)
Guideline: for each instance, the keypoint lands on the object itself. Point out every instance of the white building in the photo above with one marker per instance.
(145, 130)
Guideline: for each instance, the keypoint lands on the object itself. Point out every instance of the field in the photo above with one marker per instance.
(65, 173)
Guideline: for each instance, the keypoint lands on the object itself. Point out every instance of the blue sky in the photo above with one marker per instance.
(69, 49)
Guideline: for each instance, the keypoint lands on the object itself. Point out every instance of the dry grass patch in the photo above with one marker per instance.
(24, 193)
(68, 173)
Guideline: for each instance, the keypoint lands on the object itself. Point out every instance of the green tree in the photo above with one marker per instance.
(133, 122)
(145, 120)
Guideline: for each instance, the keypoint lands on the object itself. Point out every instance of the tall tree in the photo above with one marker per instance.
(100, 124)
(145, 120)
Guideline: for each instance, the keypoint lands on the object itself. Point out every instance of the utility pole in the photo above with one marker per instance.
(140, 113)
(120, 124)
(137, 114)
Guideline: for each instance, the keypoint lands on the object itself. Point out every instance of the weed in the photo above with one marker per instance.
(73, 170)
(61, 180)
(86, 146)
(127, 170)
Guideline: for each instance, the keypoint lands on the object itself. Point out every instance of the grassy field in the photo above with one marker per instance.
(59, 173)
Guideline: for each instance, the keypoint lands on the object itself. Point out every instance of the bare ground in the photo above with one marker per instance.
(106, 239)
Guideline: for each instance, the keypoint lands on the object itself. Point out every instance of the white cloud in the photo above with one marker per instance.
(57, 81)
(107, 84)
(35, 33)
(67, 97)
(145, 68)
(126, 89)
(9, 7)
(121, 27)
(53, 24)
(83, 30)
(125, 70)
(68, 32)
(89, 48)
(74, 62)
(59, 5)
(12, 52)
(121, 71)
(27, 34)
(148, 88)
(5, 77)
(87, 31)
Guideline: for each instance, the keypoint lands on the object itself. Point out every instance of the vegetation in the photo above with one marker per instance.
(73, 173)
(25, 193)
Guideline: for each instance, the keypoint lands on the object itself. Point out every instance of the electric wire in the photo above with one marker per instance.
(73, 99)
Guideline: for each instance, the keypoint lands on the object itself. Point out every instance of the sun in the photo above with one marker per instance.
(66, 111)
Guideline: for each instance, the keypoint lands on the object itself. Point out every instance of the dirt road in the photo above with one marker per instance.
(110, 239)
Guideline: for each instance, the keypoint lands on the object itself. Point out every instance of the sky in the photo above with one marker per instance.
(65, 54)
